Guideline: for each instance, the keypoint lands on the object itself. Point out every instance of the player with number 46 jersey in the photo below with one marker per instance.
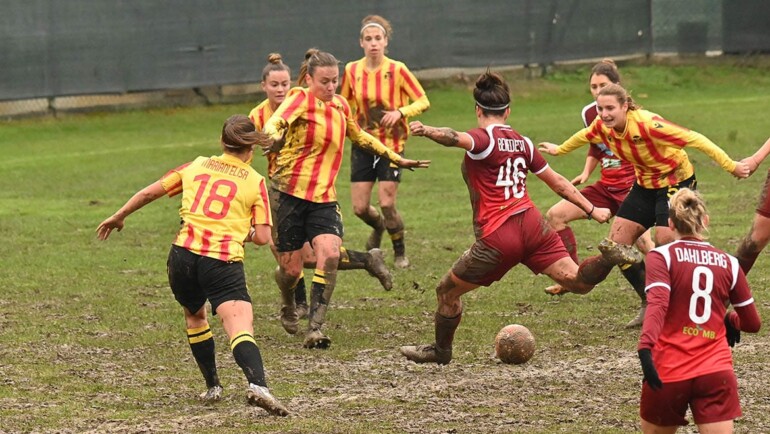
(509, 228)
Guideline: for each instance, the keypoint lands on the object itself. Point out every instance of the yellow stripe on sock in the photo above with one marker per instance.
(319, 277)
(199, 334)
(301, 274)
(241, 337)
(397, 236)
(344, 257)
(625, 267)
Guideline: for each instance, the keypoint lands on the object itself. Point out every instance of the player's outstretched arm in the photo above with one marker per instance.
(588, 169)
(561, 186)
(443, 136)
(140, 199)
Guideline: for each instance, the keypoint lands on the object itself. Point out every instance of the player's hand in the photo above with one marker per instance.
(732, 334)
(579, 179)
(752, 163)
(105, 228)
(741, 170)
(390, 118)
(601, 215)
(268, 144)
(413, 164)
(547, 148)
(417, 128)
(648, 369)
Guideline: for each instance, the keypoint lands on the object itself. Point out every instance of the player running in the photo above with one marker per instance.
(683, 348)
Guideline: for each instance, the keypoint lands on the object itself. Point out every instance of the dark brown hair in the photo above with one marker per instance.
(315, 58)
(606, 68)
(239, 134)
(274, 63)
(492, 94)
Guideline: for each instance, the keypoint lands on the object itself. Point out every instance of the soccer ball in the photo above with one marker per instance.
(514, 344)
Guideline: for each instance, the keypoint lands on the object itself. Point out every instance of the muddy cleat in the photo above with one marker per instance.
(259, 396)
(377, 268)
(290, 319)
(375, 238)
(556, 290)
(302, 310)
(315, 339)
(617, 253)
(401, 262)
(639, 319)
(427, 354)
(212, 395)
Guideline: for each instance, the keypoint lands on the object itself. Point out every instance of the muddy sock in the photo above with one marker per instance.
(202, 345)
(397, 237)
(373, 218)
(300, 292)
(352, 259)
(445, 330)
(247, 356)
(318, 300)
(568, 238)
(635, 274)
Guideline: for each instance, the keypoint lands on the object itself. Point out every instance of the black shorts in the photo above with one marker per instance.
(195, 278)
(649, 207)
(365, 167)
(298, 220)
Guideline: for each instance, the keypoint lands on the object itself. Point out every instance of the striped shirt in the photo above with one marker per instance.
(259, 115)
(653, 145)
(222, 197)
(309, 161)
(389, 87)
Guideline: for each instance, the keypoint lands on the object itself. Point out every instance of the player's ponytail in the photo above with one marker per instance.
(687, 212)
(239, 134)
(274, 63)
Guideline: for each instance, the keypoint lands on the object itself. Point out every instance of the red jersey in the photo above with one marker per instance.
(616, 174)
(688, 285)
(495, 171)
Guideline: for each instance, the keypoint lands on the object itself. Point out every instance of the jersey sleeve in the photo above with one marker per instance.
(480, 139)
(672, 134)
(346, 88)
(589, 134)
(290, 109)
(412, 87)
(260, 211)
(172, 180)
(538, 163)
(658, 289)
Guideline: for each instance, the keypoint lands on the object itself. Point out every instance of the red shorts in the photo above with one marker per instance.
(763, 208)
(602, 197)
(523, 238)
(712, 398)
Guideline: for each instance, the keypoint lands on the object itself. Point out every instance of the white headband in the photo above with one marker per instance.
(500, 107)
(372, 24)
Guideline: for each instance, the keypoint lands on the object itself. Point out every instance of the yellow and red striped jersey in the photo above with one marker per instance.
(653, 145)
(222, 197)
(259, 115)
(389, 87)
(309, 161)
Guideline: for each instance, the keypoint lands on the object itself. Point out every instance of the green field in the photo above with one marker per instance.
(91, 339)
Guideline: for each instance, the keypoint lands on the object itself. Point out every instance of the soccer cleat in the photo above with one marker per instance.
(427, 354)
(556, 290)
(302, 310)
(259, 396)
(290, 319)
(375, 238)
(212, 395)
(377, 268)
(638, 321)
(402, 261)
(617, 253)
(315, 339)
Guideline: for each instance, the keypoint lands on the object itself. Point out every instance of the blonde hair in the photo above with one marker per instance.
(687, 212)
(315, 58)
(620, 93)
